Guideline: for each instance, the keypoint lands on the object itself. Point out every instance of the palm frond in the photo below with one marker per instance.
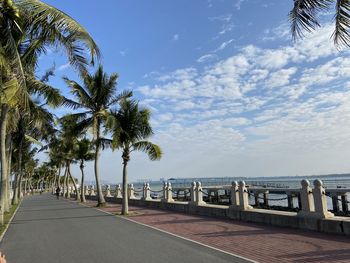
(125, 94)
(303, 16)
(341, 34)
(49, 20)
(52, 96)
(72, 104)
(154, 152)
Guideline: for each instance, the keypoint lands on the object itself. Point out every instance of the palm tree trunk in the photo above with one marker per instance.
(25, 186)
(100, 199)
(15, 189)
(58, 177)
(9, 163)
(67, 194)
(74, 184)
(4, 169)
(17, 176)
(64, 183)
(19, 192)
(82, 190)
(125, 204)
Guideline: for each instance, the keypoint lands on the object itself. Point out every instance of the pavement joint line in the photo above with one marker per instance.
(10, 221)
(169, 233)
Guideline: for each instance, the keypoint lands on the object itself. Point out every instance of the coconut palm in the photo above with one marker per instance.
(96, 97)
(131, 128)
(304, 14)
(27, 29)
(83, 153)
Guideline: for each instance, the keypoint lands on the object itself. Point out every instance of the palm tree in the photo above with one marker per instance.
(38, 125)
(96, 96)
(130, 128)
(27, 28)
(303, 17)
(83, 153)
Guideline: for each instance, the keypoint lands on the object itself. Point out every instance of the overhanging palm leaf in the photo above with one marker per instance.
(154, 152)
(59, 27)
(303, 17)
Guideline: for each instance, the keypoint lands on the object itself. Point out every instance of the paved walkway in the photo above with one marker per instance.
(55, 231)
(254, 241)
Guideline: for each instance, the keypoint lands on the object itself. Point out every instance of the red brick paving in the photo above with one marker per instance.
(261, 243)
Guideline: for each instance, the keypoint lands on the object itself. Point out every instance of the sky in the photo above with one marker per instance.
(231, 93)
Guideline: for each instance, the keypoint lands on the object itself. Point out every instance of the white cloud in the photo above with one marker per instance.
(224, 45)
(280, 77)
(285, 109)
(64, 67)
(206, 58)
(176, 37)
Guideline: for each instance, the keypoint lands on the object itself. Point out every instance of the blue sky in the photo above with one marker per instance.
(231, 93)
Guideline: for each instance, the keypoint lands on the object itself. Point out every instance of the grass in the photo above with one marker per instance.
(7, 217)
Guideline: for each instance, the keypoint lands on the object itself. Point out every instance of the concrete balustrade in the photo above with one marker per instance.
(92, 190)
(193, 192)
(146, 192)
(313, 215)
(320, 200)
(243, 197)
(118, 191)
(307, 200)
(108, 191)
(169, 195)
(199, 194)
(86, 190)
(234, 195)
(131, 191)
(165, 193)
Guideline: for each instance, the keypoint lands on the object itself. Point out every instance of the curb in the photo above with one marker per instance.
(10, 221)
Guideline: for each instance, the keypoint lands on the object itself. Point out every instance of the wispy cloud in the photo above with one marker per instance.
(64, 67)
(206, 58)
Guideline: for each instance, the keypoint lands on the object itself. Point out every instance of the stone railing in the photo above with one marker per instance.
(313, 213)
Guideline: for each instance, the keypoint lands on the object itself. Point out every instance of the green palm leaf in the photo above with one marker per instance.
(154, 152)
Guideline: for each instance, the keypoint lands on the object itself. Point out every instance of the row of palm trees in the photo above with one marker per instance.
(27, 29)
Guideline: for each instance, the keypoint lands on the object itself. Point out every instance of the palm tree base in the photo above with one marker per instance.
(101, 204)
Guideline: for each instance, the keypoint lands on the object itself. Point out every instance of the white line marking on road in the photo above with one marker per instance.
(10, 221)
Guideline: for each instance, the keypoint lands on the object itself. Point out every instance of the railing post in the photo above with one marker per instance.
(290, 200)
(193, 192)
(243, 196)
(344, 203)
(307, 201)
(108, 191)
(266, 196)
(335, 203)
(146, 192)
(320, 200)
(86, 190)
(92, 190)
(169, 195)
(199, 194)
(234, 195)
(165, 192)
(118, 191)
(131, 191)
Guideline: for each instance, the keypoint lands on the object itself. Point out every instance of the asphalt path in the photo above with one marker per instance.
(46, 230)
